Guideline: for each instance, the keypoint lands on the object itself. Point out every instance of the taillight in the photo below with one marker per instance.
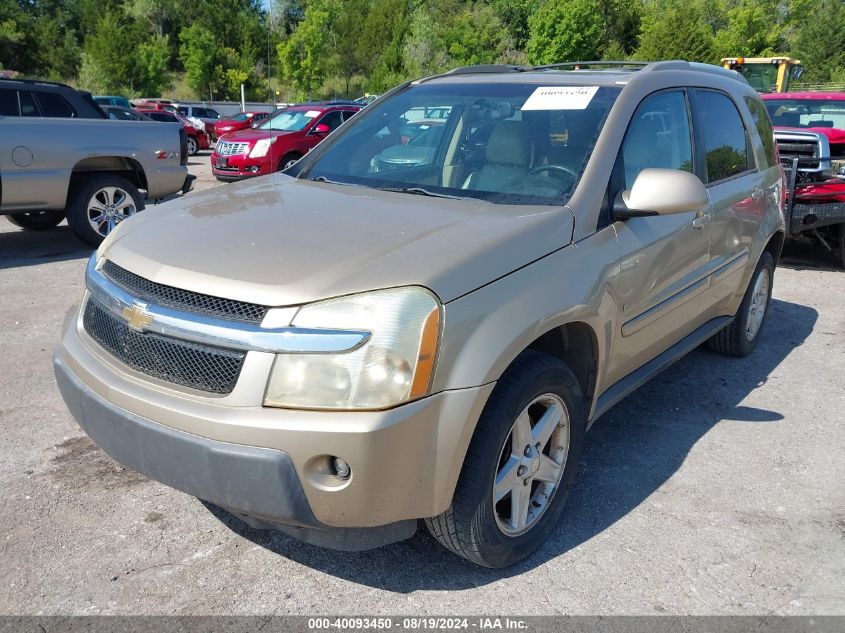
(183, 146)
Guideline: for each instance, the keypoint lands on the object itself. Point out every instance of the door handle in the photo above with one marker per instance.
(701, 220)
(756, 194)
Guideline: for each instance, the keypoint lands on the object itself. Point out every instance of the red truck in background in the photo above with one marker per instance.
(810, 134)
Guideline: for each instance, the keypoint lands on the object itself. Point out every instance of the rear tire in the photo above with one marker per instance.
(288, 160)
(741, 335)
(482, 524)
(100, 203)
(841, 259)
(37, 220)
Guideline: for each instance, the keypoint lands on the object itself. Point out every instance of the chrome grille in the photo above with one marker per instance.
(225, 148)
(178, 299)
(200, 367)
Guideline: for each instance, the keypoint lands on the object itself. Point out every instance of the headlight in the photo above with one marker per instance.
(394, 366)
(261, 148)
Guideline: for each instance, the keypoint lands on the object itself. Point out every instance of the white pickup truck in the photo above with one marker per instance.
(95, 172)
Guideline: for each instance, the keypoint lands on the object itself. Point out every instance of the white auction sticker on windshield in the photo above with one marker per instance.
(560, 98)
(312, 113)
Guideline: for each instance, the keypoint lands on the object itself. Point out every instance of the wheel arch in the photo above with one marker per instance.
(123, 166)
(775, 245)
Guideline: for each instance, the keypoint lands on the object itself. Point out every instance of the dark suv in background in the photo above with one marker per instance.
(29, 98)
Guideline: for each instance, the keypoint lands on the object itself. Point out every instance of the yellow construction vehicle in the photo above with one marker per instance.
(766, 74)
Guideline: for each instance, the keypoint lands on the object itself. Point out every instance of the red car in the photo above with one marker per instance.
(240, 121)
(279, 142)
(197, 139)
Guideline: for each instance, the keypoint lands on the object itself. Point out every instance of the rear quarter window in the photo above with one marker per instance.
(55, 105)
(764, 128)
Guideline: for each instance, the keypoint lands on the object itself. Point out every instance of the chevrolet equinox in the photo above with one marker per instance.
(354, 344)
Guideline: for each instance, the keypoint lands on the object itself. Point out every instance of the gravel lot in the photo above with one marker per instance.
(716, 489)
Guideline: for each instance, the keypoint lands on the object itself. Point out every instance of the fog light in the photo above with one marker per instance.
(341, 468)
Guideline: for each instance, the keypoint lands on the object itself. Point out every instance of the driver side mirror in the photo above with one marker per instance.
(321, 129)
(661, 192)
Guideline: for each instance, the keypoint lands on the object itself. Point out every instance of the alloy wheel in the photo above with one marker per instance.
(531, 464)
(108, 207)
(758, 304)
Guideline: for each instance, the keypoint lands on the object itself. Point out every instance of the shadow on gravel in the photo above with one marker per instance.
(804, 254)
(632, 451)
(30, 248)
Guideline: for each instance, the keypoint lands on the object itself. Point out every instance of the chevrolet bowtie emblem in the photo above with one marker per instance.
(137, 317)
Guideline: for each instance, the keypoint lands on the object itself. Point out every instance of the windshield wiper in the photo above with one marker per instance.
(326, 180)
(419, 191)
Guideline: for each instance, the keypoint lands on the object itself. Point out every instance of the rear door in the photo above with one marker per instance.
(665, 259)
(738, 191)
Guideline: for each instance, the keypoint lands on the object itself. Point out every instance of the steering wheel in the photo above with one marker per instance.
(557, 168)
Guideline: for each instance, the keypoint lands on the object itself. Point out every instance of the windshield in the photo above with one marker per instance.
(806, 112)
(290, 120)
(762, 77)
(505, 143)
(243, 116)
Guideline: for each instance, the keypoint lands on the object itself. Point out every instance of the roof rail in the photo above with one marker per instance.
(485, 68)
(677, 64)
(592, 64)
(35, 81)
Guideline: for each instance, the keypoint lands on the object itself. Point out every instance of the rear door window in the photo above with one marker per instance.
(9, 103)
(723, 135)
(27, 103)
(55, 105)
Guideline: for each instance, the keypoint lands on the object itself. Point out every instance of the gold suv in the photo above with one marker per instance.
(421, 318)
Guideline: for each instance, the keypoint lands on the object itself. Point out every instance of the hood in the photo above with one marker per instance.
(252, 135)
(280, 241)
(833, 134)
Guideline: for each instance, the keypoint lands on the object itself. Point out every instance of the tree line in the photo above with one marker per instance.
(296, 49)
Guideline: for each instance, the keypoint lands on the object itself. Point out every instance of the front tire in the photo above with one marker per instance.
(37, 220)
(519, 467)
(741, 335)
(193, 146)
(289, 160)
(99, 204)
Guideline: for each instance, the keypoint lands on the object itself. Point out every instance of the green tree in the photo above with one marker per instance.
(304, 56)
(154, 12)
(350, 57)
(198, 51)
(383, 40)
(820, 42)
(514, 15)
(107, 64)
(565, 30)
(752, 28)
(12, 34)
(152, 60)
(675, 29)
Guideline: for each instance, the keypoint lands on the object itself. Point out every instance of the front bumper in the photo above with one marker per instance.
(240, 166)
(265, 462)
